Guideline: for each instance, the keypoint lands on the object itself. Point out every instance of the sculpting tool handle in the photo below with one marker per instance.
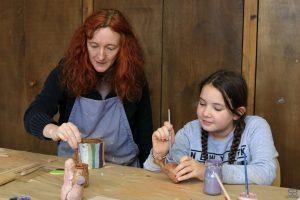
(222, 186)
(8, 177)
(28, 171)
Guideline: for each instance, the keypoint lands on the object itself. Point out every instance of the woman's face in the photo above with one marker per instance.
(213, 114)
(103, 48)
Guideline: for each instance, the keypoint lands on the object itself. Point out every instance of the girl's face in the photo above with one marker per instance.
(103, 48)
(213, 114)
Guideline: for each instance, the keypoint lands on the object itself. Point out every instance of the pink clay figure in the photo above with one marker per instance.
(243, 196)
(68, 190)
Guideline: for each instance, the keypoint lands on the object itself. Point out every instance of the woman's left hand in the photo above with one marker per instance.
(189, 168)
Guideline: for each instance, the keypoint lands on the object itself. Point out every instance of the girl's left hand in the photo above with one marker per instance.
(189, 168)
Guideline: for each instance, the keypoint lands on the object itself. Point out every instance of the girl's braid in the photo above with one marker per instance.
(240, 126)
(204, 138)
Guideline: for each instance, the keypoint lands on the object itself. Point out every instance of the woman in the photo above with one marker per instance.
(100, 91)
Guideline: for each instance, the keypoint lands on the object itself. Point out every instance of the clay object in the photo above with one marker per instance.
(81, 169)
(243, 196)
(70, 191)
(91, 152)
(168, 169)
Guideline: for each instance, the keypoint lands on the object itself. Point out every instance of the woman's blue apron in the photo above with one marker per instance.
(105, 119)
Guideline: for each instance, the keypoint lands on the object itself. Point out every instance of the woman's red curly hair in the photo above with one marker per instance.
(128, 78)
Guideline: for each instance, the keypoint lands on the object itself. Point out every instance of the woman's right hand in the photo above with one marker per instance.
(67, 132)
(162, 140)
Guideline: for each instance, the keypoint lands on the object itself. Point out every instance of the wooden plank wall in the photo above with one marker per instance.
(278, 82)
(12, 87)
(36, 36)
(199, 37)
(87, 8)
(249, 50)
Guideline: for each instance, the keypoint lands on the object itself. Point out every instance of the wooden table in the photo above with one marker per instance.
(114, 182)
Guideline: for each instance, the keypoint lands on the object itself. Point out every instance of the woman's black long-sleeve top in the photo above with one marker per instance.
(53, 98)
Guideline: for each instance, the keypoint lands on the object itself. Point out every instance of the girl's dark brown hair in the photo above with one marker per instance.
(234, 91)
(127, 76)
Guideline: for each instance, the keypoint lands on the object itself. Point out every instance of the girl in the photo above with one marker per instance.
(222, 132)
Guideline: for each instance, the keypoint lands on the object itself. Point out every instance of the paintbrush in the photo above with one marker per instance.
(169, 120)
(246, 176)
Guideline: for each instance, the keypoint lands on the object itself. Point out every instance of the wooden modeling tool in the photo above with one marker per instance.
(4, 155)
(7, 177)
(12, 174)
(29, 171)
(222, 186)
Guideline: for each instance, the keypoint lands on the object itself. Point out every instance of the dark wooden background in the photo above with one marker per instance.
(183, 42)
(278, 80)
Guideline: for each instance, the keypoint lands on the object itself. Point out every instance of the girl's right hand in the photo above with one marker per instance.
(67, 132)
(189, 168)
(162, 140)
